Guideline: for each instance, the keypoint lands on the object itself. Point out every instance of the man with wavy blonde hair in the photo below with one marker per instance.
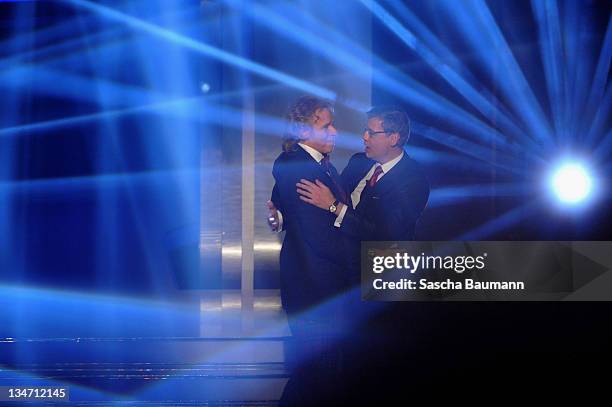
(312, 273)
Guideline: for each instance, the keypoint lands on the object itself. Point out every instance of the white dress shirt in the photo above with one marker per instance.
(356, 194)
(317, 155)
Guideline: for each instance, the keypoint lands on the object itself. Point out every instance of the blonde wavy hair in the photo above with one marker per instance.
(300, 117)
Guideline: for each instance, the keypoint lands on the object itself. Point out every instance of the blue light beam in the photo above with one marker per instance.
(400, 84)
(547, 18)
(205, 49)
(476, 22)
(451, 75)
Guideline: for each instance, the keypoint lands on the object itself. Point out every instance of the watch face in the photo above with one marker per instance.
(332, 208)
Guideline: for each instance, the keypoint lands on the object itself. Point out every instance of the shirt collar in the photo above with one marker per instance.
(386, 167)
(317, 155)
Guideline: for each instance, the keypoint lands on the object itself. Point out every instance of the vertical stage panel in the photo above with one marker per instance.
(209, 274)
(248, 197)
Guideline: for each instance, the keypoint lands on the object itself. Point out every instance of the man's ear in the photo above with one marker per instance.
(315, 119)
(394, 139)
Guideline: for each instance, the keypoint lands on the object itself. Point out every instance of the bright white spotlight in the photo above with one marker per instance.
(571, 183)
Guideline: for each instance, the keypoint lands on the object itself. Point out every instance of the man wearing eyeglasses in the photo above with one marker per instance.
(388, 190)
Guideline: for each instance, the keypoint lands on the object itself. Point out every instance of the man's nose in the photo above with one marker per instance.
(366, 135)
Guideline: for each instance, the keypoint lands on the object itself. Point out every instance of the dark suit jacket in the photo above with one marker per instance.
(311, 260)
(388, 211)
(391, 209)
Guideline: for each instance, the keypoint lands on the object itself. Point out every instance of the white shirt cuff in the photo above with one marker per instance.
(280, 221)
(340, 216)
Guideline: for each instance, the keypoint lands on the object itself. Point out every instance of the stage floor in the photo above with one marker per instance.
(203, 347)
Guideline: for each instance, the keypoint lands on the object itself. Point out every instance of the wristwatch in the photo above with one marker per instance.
(334, 206)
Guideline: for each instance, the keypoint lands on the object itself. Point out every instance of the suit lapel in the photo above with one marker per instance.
(324, 176)
(391, 179)
(307, 157)
(336, 184)
(359, 172)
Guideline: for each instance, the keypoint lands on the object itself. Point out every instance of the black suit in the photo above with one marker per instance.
(311, 262)
(389, 210)
(315, 248)
(312, 274)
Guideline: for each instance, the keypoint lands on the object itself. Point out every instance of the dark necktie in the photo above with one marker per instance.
(333, 175)
(377, 171)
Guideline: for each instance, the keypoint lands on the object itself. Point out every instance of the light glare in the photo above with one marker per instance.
(571, 183)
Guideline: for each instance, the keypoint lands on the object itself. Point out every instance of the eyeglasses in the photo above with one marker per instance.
(372, 132)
